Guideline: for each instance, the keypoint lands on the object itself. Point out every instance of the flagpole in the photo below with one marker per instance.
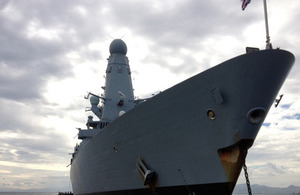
(269, 45)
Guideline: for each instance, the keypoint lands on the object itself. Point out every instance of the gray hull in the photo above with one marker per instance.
(194, 136)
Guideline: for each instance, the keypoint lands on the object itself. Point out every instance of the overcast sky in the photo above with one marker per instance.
(53, 52)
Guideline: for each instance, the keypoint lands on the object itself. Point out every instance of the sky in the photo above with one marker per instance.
(53, 52)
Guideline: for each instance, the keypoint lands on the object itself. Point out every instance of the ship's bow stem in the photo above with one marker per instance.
(255, 81)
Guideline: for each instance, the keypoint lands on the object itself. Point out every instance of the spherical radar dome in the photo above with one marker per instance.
(118, 46)
(94, 100)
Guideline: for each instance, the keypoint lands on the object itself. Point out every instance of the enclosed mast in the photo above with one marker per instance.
(118, 91)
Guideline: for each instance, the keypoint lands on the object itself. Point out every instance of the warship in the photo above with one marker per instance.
(192, 138)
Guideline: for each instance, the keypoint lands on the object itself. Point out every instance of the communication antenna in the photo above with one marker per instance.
(268, 43)
(110, 36)
(277, 101)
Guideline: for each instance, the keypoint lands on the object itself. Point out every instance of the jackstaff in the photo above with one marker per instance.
(268, 43)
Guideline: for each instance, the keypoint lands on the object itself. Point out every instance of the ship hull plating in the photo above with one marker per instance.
(215, 189)
(194, 136)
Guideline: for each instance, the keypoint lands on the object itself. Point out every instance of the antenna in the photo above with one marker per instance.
(268, 45)
(89, 93)
(110, 36)
(277, 101)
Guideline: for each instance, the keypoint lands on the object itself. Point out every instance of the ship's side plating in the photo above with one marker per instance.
(194, 136)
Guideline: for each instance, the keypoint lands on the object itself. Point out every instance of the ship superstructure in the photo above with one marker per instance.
(118, 95)
(192, 138)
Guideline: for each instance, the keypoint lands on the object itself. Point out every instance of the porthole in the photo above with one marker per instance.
(211, 114)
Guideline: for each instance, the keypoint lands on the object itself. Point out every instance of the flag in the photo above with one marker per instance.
(245, 3)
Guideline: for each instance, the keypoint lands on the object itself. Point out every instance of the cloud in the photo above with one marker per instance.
(270, 173)
(21, 179)
(27, 60)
